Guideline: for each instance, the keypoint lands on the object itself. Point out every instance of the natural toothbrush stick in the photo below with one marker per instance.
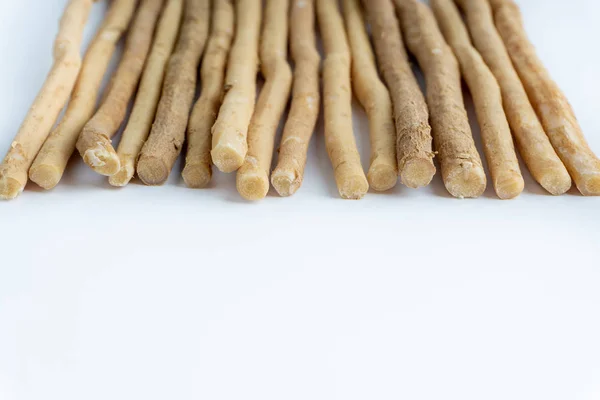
(230, 131)
(51, 162)
(253, 176)
(487, 98)
(549, 101)
(462, 171)
(144, 109)
(339, 136)
(533, 144)
(49, 101)
(198, 171)
(164, 144)
(94, 143)
(288, 175)
(413, 132)
(375, 98)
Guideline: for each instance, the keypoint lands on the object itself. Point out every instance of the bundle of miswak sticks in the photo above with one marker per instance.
(367, 45)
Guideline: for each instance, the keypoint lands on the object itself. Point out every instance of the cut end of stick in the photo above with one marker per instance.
(382, 177)
(102, 161)
(9, 188)
(253, 185)
(152, 170)
(465, 180)
(227, 159)
(589, 185)
(557, 182)
(286, 183)
(196, 176)
(509, 185)
(353, 187)
(123, 177)
(45, 176)
(417, 173)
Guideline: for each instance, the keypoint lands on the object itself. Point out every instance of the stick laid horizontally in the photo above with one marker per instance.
(94, 143)
(164, 144)
(49, 102)
(549, 101)
(374, 97)
(50, 164)
(487, 98)
(462, 170)
(198, 165)
(252, 179)
(413, 132)
(339, 136)
(146, 101)
(287, 177)
(230, 131)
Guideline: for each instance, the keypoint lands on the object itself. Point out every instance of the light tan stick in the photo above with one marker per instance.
(306, 97)
(374, 97)
(144, 109)
(549, 101)
(339, 136)
(533, 144)
(462, 171)
(413, 132)
(94, 143)
(495, 131)
(230, 131)
(49, 102)
(51, 162)
(198, 172)
(164, 144)
(253, 176)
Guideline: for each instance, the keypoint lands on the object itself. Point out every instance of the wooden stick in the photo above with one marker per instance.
(253, 176)
(198, 165)
(94, 143)
(168, 132)
(230, 131)
(49, 102)
(339, 137)
(374, 97)
(495, 131)
(549, 101)
(413, 132)
(148, 95)
(462, 171)
(287, 177)
(50, 164)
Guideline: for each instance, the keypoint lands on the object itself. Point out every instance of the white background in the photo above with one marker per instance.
(172, 293)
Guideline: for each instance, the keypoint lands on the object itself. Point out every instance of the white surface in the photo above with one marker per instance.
(156, 293)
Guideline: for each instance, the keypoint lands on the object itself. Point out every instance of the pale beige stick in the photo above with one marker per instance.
(288, 175)
(487, 98)
(253, 176)
(50, 164)
(413, 132)
(374, 97)
(49, 102)
(230, 131)
(148, 95)
(198, 165)
(94, 143)
(461, 166)
(533, 144)
(164, 144)
(549, 101)
(339, 136)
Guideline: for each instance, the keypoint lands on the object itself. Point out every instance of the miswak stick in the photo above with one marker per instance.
(252, 179)
(374, 97)
(487, 98)
(461, 166)
(413, 132)
(159, 153)
(144, 109)
(533, 144)
(288, 175)
(49, 102)
(94, 143)
(339, 136)
(50, 164)
(550, 103)
(230, 131)
(198, 165)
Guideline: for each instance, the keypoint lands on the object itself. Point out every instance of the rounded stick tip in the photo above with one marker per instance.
(589, 185)
(417, 173)
(152, 170)
(286, 183)
(102, 161)
(465, 180)
(509, 185)
(382, 177)
(196, 176)
(9, 188)
(227, 159)
(556, 182)
(253, 185)
(354, 187)
(123, 177)
(45, 176)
